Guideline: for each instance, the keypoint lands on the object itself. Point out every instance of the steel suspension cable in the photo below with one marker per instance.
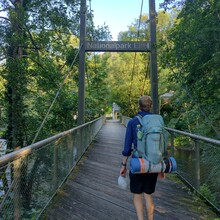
(92, 38)
(135, 55)
(57, 94)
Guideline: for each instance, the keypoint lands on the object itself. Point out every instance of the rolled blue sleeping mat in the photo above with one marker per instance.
(141, 165)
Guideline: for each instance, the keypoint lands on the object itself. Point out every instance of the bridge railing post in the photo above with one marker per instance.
(197, 164)
(172, 136)
(55, 161)
(17, 188)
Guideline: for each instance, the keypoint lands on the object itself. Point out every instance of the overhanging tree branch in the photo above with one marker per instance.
(32, 39)
(7, 19)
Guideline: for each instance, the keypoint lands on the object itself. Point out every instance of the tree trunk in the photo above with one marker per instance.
(16, 79)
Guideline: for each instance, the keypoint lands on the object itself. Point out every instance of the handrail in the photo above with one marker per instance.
(30, 148)
(193, 136)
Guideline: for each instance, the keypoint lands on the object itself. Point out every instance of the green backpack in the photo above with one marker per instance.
(151, 138)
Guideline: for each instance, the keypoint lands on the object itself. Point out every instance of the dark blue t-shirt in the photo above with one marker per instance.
(131, 134)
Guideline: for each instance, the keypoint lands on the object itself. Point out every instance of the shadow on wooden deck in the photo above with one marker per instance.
(91, 191)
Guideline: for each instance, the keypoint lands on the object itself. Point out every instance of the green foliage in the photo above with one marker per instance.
(128, 73)
(2, 97)
(126, 77)
(191, 57)
(210, 159)
(42, 43)
(41, 39)
(207, 193)
(139, 29)
(97, 92)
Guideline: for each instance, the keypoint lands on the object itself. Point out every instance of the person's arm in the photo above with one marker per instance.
(127, 149)
(123, 170)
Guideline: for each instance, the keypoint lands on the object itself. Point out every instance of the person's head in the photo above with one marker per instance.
(145, 103)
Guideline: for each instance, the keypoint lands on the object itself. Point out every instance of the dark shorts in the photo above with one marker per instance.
(140, 183)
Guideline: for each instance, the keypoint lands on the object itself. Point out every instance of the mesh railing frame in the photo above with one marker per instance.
(30, 177)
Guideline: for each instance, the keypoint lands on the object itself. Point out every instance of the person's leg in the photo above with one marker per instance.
(138, 204)
(149, 206)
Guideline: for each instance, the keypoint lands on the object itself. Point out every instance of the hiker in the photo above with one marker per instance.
(140, 184)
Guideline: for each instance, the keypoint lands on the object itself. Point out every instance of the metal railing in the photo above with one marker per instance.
(197, 162)
(30, 177)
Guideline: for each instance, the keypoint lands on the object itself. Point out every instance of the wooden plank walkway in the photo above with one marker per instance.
(91, 191)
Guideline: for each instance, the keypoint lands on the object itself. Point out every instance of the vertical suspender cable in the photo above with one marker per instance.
(133, 68)
(57, 94)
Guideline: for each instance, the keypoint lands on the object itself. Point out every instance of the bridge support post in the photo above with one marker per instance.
(81, 86)
(17, 189)
(197, 165)
(153, 57)
(172, 143)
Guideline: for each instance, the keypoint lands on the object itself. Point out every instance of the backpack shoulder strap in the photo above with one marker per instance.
(139, 117)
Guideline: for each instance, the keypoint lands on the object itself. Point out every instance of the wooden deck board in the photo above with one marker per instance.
(92, 192)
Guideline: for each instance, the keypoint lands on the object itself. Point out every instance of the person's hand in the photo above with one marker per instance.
(162, 176)
(123, 171)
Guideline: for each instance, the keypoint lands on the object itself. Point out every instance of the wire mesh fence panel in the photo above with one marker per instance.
(198, 163)
(6, 179)
(185, 156)
(27, 184)
(210, 172)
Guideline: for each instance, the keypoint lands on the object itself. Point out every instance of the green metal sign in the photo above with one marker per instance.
(117, 46)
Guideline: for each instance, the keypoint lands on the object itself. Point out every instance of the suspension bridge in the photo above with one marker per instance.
(73, 175)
